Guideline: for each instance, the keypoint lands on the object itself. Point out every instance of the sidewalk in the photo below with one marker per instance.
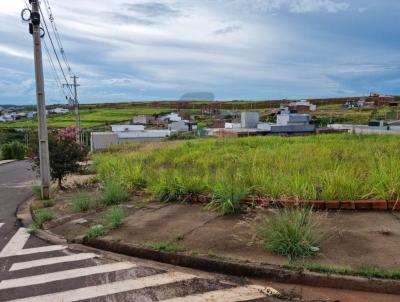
(3, 162)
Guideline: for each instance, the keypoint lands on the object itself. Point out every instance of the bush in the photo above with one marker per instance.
(114, 217)
(292, 233)
(82, 202)
(42, 217)
(114, 193)
(13, 150)
(96, 231)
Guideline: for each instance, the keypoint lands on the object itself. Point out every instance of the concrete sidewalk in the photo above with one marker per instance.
(3, 162)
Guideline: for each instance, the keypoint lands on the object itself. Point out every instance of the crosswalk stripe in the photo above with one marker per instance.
(53, 260)
(15, 247)
(237, 294)
(62, 275)
(1, 224)
(110, 288)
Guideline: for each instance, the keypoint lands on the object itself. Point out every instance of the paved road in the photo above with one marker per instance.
(32, 270)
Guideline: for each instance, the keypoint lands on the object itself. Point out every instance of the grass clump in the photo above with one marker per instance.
(367, 272)
(37, 192)
(162, 246)
(292, 233)
(96, 231)
(227, 197)
(114, 217)
(114, 193)
(43, 216)
(82, 202)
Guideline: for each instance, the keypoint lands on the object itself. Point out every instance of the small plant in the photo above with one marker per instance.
(114, 217)
(82, 202)
(292, 233)
(165, 247)
(115, 193)
(96, 231)
(227, 197)
(13, 150)
(48, 203)
(42, 217)
(37, 192)
(33, 228)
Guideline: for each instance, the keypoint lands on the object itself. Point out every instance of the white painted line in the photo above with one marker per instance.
(1, 224)
(226, 295)
(50, 261)
(15, 247)
(109, 288)
(63, 275)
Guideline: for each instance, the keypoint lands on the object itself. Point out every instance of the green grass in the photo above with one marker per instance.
(96, 231)
(114, 193)
(326, 167)
(43, 216)
(81, 202)
(165, 247)
(114, 217)
(37, 192)
(368, 272)
(292, 233)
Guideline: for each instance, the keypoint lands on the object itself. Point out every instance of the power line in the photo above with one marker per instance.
(54, 50)
(57, 35)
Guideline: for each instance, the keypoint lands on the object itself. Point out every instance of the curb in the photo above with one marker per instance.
(5, 162)
(250, 270)
(241, 269)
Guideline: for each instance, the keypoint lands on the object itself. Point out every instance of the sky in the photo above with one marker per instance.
(126, 50)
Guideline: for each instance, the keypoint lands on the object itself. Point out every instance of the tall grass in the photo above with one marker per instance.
(82, 202)
(292, 233)
(114, 193)
(114, 217)
(343, 167)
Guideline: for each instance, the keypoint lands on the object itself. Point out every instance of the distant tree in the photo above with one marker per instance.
(64, 151)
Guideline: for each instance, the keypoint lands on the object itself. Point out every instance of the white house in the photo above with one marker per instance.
(60, 111)
(172, 117)
(127, 128)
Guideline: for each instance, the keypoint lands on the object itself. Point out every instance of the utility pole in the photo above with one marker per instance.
(35, 30)
(76, 106)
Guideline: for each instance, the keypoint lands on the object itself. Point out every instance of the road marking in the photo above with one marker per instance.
(49, 261)
(15, 247)
(1, 224)
(62, 275)
(109, 289)
(244, 293)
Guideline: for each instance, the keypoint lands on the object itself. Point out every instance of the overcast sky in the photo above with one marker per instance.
(238, 49)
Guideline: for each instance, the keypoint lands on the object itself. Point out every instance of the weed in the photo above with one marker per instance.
(32, 229)
(165, 247)
(96, 231)
(42, 217)
(114, 193)
(227, 197)
(114, 217)
(37, 192)
(292, 233)
(82, 202)
(48, 203)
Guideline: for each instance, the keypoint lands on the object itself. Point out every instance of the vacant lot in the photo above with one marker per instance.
(344, 167)
(90, 117)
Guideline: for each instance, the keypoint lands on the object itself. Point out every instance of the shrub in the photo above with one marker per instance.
(114, 193)
(13, 150)
(82, 202)
(96, 231)
(114, 217)
(292, 233)
(42, 217)
(48, 203)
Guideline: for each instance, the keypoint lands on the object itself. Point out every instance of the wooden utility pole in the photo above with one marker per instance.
(35, 30)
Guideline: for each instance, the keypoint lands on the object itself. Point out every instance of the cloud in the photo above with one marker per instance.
(227, 30)
(293, 6)
(14, 52)
(153, 9)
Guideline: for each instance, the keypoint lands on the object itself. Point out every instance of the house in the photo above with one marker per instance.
(31, 115)
(60, 111)
(302, 105)
(172, 117)
(250, 120)
(126, 128)
(144, 119)
(182, 126)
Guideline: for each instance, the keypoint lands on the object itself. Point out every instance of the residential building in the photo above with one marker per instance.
(250, 120)
(144, 119)
(302, 105)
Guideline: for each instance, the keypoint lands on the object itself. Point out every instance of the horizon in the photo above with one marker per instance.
(239, 50)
